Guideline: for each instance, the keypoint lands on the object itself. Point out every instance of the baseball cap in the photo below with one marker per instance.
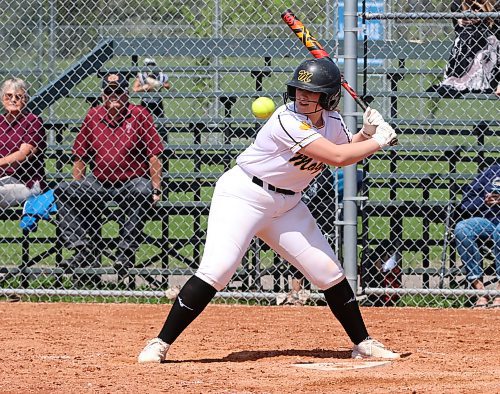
(115, 82)
(149, 61)
(495, 185)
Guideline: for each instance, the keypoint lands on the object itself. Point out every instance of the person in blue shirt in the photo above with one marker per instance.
(481, 202)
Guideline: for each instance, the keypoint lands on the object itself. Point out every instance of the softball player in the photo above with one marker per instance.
(261, 196)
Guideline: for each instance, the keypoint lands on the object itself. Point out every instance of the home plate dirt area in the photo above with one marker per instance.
(80, 348)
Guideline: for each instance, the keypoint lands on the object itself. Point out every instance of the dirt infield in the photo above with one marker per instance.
(80, 348)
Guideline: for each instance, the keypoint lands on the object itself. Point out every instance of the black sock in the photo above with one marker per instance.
(191, 301)
(343, 304)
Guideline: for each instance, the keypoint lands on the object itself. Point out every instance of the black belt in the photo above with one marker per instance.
(260, 182)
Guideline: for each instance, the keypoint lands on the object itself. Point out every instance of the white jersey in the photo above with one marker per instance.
(273, 156)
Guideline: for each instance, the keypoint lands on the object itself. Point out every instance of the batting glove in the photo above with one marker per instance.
(371, 119)
(385, 135)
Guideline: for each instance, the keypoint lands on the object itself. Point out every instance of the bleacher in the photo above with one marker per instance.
(206, 146)
(415, 188)
(198, 150)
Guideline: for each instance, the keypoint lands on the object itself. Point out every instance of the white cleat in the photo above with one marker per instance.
(372, 348)
(154, 352)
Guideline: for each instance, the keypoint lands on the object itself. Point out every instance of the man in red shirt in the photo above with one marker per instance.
(120, 140)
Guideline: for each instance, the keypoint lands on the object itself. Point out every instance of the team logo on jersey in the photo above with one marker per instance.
(305, 76)
(304, 125)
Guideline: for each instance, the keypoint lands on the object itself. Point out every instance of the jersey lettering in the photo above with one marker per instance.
(306, 163)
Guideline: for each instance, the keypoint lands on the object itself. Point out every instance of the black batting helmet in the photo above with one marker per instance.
(317, 75)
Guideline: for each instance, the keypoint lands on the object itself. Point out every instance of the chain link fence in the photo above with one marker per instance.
(212, 59)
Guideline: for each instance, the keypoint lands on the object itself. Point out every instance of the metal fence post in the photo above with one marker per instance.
(350, 208)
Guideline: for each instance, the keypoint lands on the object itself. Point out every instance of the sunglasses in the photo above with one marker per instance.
(111, 92)
(12, 96)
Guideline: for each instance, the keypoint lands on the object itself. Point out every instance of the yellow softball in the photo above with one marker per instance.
(263, 107)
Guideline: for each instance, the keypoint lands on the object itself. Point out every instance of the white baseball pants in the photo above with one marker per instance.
(241, 210)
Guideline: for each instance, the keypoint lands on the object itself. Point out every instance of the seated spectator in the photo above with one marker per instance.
(22, 145)
(474, 62)
(482, 202)
(121, 141)
(151, 81)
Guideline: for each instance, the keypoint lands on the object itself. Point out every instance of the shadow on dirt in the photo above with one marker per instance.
(254, 355)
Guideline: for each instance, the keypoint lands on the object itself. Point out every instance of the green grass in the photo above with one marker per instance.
(433, 301)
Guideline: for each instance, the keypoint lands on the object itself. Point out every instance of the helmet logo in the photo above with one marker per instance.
(305, 76)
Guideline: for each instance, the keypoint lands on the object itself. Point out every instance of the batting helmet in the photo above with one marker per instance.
(317, 75)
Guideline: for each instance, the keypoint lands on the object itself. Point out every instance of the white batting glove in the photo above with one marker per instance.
(371, 119)
(385, 135)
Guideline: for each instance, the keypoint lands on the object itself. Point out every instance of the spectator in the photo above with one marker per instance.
(121, 140)
(474, 62)
(151, 81)
(22, 145)
(481, 201)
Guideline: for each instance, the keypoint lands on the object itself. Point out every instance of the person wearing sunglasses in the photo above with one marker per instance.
(22, 144)
(120, 143)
